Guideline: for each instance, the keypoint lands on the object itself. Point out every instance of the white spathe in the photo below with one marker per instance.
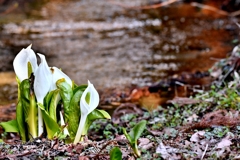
(56, 75)
(20, 63)
(42, 83)
(86, 108)
(65, 130)
(45, 81)
(46, 78)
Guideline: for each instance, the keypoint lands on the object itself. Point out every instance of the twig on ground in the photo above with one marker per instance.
(236, 13)
(204, 152)
(211, 8)
(10, 9)
(147, 6)
(13, 156)
(114, 142)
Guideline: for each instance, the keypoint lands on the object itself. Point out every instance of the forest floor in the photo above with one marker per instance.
(194, 121)
(203, 126)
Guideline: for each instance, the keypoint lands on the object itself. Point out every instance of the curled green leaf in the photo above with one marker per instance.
(27, 99)
(74, 111)
(10, 126)
(137, 130)
(51, 125)
(52, 109)
(66, 94)
(94, 115)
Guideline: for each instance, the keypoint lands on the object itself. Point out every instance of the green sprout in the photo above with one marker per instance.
(115, 154)
(134, 134)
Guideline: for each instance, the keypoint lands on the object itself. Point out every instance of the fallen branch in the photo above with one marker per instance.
(13, 156)
(147, 6)
(211, 8)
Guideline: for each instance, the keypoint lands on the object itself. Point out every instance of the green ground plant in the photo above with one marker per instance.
(134, 134)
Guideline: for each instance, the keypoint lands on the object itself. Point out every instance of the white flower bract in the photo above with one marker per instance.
(20, 63)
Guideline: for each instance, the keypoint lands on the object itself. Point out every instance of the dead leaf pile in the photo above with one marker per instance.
(216, 118)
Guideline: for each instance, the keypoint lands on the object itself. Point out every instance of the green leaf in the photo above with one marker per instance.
(47, 100)
(66, 94)
(60, 135)
(18, 82)
(127, 135)
(51, 126)
(31, 119)
(74, 111)
(98, 114)
(29, 108)
(10, 126)
(21, 121)
(53, 104)
(115, 154)
(94, 115)
(77, 88)
(137, 130)
(134, 134)
(25, 89)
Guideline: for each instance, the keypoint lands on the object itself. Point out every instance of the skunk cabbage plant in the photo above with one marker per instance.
(42, 91)
(24, 64)
(89, 101)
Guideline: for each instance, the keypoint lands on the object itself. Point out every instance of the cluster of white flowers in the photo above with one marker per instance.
(25, 64)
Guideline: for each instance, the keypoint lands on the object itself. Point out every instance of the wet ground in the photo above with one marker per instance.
(112, 44)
